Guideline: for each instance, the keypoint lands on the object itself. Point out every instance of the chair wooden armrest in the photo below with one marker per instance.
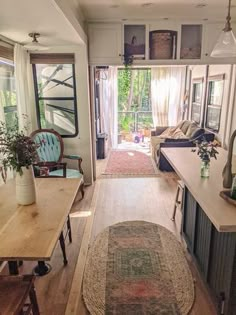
(75, 157)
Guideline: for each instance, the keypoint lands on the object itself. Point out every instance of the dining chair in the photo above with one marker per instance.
(51, 156)
(17, 295)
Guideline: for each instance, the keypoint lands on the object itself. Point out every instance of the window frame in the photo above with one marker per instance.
(208, 104)
(74, 98)
(193, 102)
(9, 108)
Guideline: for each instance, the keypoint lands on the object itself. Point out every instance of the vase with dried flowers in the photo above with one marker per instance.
(206, 151)
(18, 152)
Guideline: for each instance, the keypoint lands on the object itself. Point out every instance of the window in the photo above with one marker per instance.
(7, 92)
(196, 100)
(214, 102)
(54, 77)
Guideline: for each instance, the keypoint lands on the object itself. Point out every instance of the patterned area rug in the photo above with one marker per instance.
(137, 268)
(130, 162)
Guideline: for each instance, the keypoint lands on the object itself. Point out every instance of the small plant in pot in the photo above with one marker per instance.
(18, 152)
(206, 151)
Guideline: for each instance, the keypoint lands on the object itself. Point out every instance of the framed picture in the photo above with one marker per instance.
(214, 102)
(196, 109)
(134, 38)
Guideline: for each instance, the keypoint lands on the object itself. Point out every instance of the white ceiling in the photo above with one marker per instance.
(110, 10)
(20, 17)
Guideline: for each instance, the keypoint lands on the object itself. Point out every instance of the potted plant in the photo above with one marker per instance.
(206, 151)
(18, 152)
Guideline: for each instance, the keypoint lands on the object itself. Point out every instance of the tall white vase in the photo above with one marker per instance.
(25, 187)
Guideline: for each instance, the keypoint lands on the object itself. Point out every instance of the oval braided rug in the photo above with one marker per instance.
(137, 268)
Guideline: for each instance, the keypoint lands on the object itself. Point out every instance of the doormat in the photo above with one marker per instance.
(137, 268)
(130, 163)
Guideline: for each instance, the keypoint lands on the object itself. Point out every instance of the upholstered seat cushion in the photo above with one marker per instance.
(70, 173)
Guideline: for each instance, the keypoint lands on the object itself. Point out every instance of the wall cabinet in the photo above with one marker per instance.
(105, 44)
(172, 42)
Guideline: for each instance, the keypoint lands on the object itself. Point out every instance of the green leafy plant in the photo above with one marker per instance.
(206, 150)
(16, 149)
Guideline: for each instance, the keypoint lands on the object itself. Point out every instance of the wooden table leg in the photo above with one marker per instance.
(13, 267)
(69, 229)
(63, 248)
(42, 269)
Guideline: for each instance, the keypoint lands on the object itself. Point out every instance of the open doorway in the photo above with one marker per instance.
(130, 102)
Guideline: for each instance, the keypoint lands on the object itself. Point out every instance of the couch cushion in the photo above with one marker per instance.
(178, 134)
(168, 132)
(185, 126)
(191, 129)
(180, 124)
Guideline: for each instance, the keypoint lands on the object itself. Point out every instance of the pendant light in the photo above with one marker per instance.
(35, 45)
(226, 44)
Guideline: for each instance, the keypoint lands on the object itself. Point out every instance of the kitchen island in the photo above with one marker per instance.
(209, 224)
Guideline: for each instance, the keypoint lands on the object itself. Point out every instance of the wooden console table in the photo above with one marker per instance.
(209, 224)
(31, 232)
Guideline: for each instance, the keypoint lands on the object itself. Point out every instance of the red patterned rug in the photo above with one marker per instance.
(130, 162)
(137, 268)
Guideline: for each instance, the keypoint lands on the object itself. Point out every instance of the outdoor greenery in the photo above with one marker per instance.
(134, 98)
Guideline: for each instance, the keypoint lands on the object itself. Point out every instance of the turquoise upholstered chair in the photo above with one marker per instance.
(50, 155)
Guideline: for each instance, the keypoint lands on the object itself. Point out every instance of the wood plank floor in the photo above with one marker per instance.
(119, 199)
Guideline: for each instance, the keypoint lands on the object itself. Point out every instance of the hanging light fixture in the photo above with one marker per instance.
(35, 45)
(226, 44)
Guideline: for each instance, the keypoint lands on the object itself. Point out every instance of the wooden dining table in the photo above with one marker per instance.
(30, 233)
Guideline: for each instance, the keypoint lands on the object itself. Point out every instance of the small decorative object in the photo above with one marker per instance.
(227, 171)
(233, 189)
(206, 151)
(18, 152)
(134, 38)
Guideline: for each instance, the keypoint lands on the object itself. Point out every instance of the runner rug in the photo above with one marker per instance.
(137, 268)
(129, 162)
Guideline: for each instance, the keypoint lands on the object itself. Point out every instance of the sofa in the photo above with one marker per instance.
(185, 134)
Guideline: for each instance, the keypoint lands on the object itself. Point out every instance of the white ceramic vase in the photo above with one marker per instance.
(25, 187)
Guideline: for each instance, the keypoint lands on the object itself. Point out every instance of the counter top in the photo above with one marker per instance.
(205, 190)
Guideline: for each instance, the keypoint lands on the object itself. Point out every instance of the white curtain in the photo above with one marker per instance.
(109, 104)
(167, 88)
(24, 89)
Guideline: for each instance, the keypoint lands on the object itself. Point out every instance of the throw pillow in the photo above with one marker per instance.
(197, 133)
(191, 129)
(185, 126)
(178, 134)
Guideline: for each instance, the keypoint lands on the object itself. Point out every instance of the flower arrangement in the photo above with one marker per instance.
(16, 149)
(206, 150)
